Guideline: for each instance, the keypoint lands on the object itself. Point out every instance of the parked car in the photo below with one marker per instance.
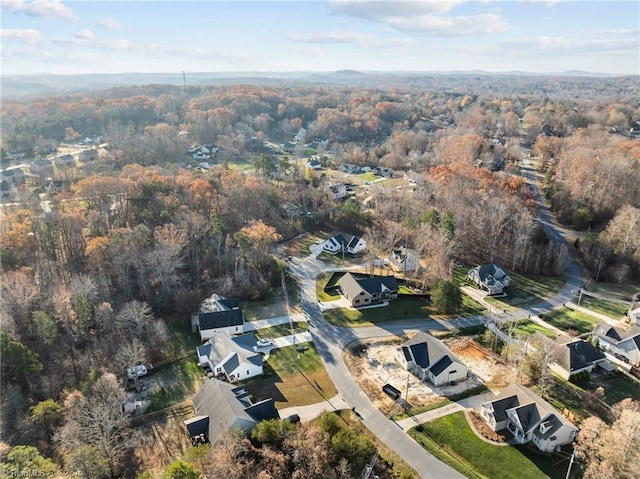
(137, 371)
(264, 342)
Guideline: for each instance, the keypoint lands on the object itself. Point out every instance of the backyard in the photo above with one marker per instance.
(451, 440)
(293, 378)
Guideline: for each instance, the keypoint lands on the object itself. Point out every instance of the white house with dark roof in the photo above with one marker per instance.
(365, 291)
(429, 359)
(232, 357)
(220, 406)
(344, 242)
(625, 342)
(337, 192)
(529, 418)
(572, 356)
(218, 314)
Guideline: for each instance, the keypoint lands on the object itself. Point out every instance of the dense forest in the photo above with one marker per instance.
(144, 232)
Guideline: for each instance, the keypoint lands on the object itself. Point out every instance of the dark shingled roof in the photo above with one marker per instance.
(220, 319)
(441, 365)
(576, 355)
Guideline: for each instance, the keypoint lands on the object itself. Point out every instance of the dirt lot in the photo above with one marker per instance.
(375, 363)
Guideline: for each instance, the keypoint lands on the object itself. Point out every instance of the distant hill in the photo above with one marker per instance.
(13, 86)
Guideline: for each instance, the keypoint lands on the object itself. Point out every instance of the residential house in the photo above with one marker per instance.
(233, 358)
(89, 155)
(42, 167)
(345, 243)
(429, 359)
(349, 168)
(14, 174)
(365, 291)
(529, 418)
(634, 315)
(490, 277)
(300, 136)
(218, 314)
(337, 192)
(404, 260)
(65, 161)
(383, 171)
(291, 210)
(619, 341)
(220, 406)
(314, 164)
(573, 356)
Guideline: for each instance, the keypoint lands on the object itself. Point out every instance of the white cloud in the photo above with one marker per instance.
(40, 8)
(381, 10)
(85, 34)
(26, 36)
(426, 17)
(361, 39)
(109, 23)
(330, 37)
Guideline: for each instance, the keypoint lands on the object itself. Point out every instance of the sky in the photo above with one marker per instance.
(544, 36)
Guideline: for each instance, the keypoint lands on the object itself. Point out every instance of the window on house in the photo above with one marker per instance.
(453, 372)
(357, 301)
(247, 372)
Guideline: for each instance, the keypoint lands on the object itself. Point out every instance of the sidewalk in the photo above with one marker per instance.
(473, 402)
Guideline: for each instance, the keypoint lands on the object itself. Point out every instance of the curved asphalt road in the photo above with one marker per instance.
(330, 342)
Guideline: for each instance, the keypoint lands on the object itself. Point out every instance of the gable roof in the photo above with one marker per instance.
(576, 355)
(220, 405)
(216, 302)
(220, 319)
(529, 408)
(354, 285)
(231, 351)
(611, 333)
(429, 352)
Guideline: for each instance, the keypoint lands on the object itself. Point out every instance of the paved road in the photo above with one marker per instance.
(330, 342)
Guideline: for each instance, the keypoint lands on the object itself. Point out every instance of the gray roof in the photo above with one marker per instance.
(613, 334)
(225, 405)
(517, 396)
(221, 345)
(576, 355)
(441, 365)
(372, 285)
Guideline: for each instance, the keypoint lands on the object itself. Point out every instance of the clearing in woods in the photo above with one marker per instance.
(373, 363)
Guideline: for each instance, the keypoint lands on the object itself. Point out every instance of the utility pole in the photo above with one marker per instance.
(286, 305)
(573, 456)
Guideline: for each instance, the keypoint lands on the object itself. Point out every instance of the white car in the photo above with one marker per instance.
(136, 371)
(264, 342)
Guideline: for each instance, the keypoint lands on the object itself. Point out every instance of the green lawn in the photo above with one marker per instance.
(401, 308)
(527, 290)
(565, 319)
(293, 378)
(451, 439)
(621, 291)
(282, 330)
(368, 176)
(526, 328)
(181, 339)
(610, 309)
(321, 283)
(178, 381)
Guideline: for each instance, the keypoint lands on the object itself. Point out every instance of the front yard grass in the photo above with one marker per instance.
(321, 283)
(282, 330)
(526, 328)
(451, 439)
(610, 309)
(526, 290)
(566, 319)
(400, 308)
(293, 378)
